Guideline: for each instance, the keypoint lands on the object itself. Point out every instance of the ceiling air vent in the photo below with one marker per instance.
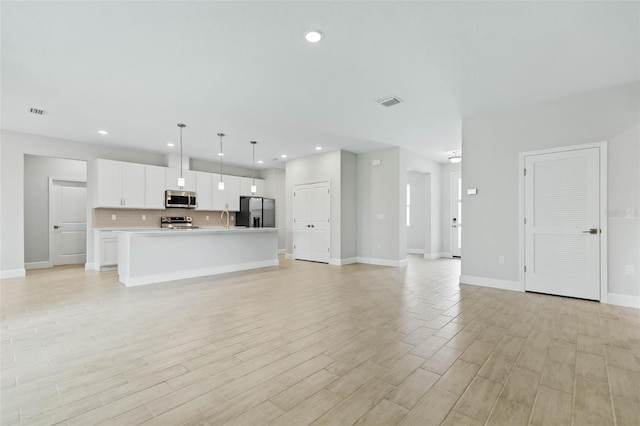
(36, 111)
(390, 101)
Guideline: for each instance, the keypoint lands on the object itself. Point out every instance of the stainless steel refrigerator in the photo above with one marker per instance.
(256, 212)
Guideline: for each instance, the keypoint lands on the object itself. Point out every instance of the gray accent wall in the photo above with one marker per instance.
(348, 205)
(420, 214)
(37, 171)
(491, 146)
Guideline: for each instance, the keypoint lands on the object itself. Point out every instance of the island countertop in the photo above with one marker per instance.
(147, 256)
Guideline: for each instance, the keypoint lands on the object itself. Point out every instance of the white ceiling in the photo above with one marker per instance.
(243, 68)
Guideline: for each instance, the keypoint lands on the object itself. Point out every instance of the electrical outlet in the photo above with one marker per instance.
(206, 217)
(144, 217)
(380, 215)
(501, 260)
(631, 270)
(113, 217)
(231, 218)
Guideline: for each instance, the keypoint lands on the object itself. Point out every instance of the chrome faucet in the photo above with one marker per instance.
(222, 215)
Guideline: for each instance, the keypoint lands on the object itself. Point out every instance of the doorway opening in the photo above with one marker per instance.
(54, 191)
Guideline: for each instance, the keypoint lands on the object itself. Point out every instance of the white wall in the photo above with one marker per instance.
(381, 203)
(491, 145)
(348, 206)
(37, 171)
(274, 187)
(445, 207)
(420, 215)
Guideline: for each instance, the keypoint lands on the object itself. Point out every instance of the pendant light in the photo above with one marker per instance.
(254, 189)
(181, 179)
(456, 158)
(221, 154)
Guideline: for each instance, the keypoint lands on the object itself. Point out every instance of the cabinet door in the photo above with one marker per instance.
(108, 183)
(154, 187)
(172, 176)
(245, 186)
(109, 254)
(232, 188)
(259, 188)
(133, 185)
(204, 191)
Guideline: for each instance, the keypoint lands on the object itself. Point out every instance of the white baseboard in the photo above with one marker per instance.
(282, 251)
(89, 266)
(383, 262)
(433, 256)
(181, 275)
(491, 282)
(13, 273)
(345, 261)
(288, 256)
(38, 265)
(623, 300)
(415, 251)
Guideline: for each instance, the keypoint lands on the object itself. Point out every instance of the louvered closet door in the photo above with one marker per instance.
(562, 231)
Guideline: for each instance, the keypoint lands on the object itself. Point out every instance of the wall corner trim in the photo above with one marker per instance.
(491, 282)
(415, 251)
(13, 273)
(90, 266)
(345, 261)
(623, 300)
(282, 251)
(289, 256)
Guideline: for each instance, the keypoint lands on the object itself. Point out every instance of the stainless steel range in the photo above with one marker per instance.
(177, 222)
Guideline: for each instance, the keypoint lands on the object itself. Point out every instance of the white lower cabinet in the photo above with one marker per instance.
(105, 251)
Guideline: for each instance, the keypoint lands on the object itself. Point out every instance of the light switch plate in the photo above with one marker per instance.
(376, 162)
(472, 191)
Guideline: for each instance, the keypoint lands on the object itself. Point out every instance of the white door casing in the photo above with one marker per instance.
(562, 223)
(67, 222)
(456, 214)
(311, 227)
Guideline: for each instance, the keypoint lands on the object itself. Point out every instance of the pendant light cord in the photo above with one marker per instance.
(220, 154)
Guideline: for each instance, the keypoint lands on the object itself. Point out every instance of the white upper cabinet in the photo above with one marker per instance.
(172, 176)
(229, 198)
(204, 191)
(119, 184)
(155, 187)
(245, 187)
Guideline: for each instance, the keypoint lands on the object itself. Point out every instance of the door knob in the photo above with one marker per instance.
(55, 227)
(308, 226)
(313, 226)
(591, 231)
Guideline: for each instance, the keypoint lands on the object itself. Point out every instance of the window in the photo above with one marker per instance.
(408, 205)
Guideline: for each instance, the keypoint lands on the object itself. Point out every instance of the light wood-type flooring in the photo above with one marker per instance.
(307, 343)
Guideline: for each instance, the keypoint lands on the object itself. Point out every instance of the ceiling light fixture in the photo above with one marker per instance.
(318, 148)
(181, 179)
(221, 154)
(103, 132)
(456, 158)
(283, 155)
(313, 36)
(260, 161)
(171, 144)
(253, 185)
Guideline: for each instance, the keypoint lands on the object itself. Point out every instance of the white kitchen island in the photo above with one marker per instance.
(159, 255)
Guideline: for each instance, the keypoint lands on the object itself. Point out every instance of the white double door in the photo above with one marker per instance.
(311, 212)
(562, 223)
(67, 222)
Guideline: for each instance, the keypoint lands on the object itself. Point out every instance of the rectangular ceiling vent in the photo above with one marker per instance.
(390, 101)
(36, 111)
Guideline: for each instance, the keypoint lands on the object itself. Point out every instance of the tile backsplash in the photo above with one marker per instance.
(131, 218)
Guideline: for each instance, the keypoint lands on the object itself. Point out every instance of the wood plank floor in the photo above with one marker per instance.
(307, 343)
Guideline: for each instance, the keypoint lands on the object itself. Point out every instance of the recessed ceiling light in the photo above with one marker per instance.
(103, 132)
(318, 148)
(260, 161)
(283, 155)
(313, 36)
(221, 154)
(171, 144)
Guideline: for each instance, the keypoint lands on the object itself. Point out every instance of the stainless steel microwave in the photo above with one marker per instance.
(180, 199)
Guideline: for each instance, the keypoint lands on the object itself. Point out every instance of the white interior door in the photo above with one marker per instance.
(311, 222)
(68, 222)
(456, 214)
(562, 223)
